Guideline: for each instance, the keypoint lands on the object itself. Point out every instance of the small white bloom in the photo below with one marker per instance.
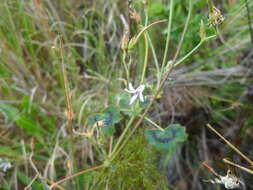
(4, 165)
(230, 181)
(136, 92)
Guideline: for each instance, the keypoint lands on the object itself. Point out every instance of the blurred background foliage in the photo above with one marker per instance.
(214, 85)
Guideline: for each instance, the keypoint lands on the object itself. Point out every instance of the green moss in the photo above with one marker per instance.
(135, 168)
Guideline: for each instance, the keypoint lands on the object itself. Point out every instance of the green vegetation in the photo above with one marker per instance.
(116, 95)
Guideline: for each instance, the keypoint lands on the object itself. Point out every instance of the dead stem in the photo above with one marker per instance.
(146, 27)
(210, 168)
(230, 145)
(237, 165)
(75, 175)
(70, 113)
(38, 174)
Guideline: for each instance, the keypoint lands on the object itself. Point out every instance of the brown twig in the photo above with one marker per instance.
(210, 168)
(70, 113)
(146, 27)
(38, 174)
(231, 145)
(237, 165)
(75, 175)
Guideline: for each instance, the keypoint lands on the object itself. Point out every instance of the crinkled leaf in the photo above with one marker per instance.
(122, 101)
(168, 139)
(10, 112)
(110, 116)
(95, 118)
(108, 129)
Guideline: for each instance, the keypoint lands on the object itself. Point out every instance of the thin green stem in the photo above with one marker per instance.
(210, 5)
(146, 49)
(153, 99)
(125, 65)
(152, 49)
(170, 68)
(93, 141)
(193, 50)
(249, 20)
(168, 34)
(123, 135)
(155, 60)
(184, 31)
(146, 58)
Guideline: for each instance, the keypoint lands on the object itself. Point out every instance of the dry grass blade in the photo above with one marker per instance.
(231, 145)
(237, 165)
(210, 168)
(38, 174)
(75, 175)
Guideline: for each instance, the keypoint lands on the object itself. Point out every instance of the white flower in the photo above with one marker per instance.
(136, 92)
(4, 165)
(230, 181)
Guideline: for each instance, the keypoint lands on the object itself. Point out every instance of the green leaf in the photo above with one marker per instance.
(167, 140)
(45, 186)
(95, 118)
(28, 125)
(10, 112)
(8, 151)
(26, 103)
(38, 185)
(110, 116)
(108, 130)
(122, 100)
(156, 8)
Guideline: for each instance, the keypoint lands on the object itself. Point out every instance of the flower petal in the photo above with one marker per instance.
(133, 98)
(131, 87)
(141, 97)
(141, 88)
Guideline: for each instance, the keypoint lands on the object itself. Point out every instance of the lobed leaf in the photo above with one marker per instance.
(168, 139)
(110, 116)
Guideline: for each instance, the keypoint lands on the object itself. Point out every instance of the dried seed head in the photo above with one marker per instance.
(132, 42)
(135, 16)
(215, 17)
